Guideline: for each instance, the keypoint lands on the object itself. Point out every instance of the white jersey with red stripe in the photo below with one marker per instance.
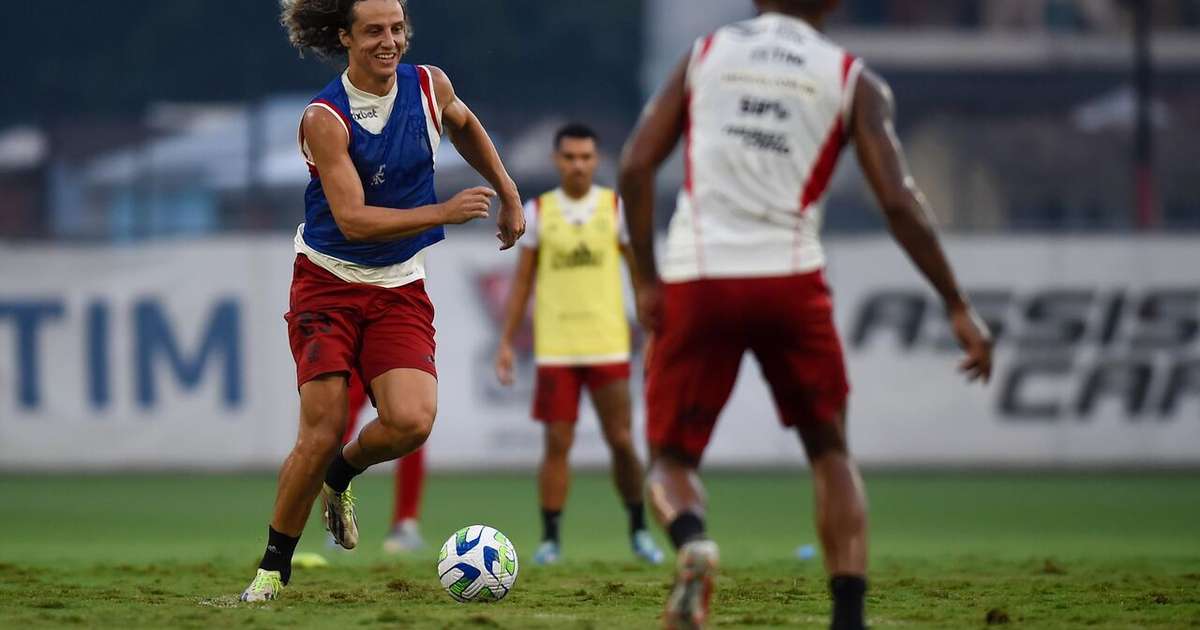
(768, 106)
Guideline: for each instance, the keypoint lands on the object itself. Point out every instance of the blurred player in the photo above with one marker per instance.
(766, 107)
(358, 298)
(404, 534)
(581, 336)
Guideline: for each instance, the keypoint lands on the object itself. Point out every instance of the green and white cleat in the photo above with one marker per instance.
(688, 603)
(340, 519)
(404, 538)
(645, 548)
(267, 586)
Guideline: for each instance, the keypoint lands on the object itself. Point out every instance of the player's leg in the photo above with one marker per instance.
(554, 480)
(841, 516)
(396, 360)
(324, 326)
(691, 372)
(322, 420)
(609, 390)
(409, 483)
(556, 406)
(356, 400)
(801, 357)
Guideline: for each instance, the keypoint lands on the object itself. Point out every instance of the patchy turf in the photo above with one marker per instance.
(950, 551)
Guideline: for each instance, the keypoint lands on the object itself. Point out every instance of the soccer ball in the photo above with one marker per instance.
(478, 564)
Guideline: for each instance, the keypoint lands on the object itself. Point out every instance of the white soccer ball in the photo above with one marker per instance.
(478, 564)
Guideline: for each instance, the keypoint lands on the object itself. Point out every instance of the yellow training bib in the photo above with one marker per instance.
(579, 317)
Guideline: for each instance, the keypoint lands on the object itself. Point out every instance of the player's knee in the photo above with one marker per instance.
(413, 419)
(319, 442)
(621, 441)
(559, 438)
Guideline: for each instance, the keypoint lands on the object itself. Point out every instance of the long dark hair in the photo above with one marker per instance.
(314, 24)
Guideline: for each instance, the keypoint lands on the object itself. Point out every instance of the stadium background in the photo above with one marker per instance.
(150, 185)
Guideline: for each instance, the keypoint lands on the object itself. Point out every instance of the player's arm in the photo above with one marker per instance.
(908, 216)
(514, 312)
(329, 147)
(474, 144)
(656, 136)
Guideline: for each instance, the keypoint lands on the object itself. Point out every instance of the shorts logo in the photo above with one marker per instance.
(310, 324)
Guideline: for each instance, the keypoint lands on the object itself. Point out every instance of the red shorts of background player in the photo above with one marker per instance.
(707, 325)
(556, 394)
(338, 326)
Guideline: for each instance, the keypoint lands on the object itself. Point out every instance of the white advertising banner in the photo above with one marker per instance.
(175, 356)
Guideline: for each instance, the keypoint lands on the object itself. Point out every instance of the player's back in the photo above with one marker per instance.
(768, 108)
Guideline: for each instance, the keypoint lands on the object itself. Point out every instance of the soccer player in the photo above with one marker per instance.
(574, 249)
(766, 107)
(404, 535)
(358, 298)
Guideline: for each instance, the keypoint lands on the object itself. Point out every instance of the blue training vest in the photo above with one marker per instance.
(396, 170)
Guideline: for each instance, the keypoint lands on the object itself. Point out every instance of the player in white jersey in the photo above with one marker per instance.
(766, 107)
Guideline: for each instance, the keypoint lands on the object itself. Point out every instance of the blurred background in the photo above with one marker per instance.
(150, 185)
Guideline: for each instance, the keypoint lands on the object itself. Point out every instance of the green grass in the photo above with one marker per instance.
(1042, 551)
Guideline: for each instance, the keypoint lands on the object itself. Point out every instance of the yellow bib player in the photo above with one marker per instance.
(573, 246)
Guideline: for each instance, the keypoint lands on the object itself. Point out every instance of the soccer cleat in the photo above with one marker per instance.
(267, 585)
(547, 553)
(405, 538)
(340, 520)
(687, 605)
(645, 548)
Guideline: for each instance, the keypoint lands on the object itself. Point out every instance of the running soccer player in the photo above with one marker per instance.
(766, 107)
(358, 298)
(404, 534)
(574, 249)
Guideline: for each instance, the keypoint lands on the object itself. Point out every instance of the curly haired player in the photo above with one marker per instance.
(358, 301)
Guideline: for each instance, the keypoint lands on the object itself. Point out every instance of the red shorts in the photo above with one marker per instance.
(338, 326)
(707, 325)
(556, 394)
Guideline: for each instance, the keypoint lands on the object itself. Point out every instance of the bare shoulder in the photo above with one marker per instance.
(323, 126)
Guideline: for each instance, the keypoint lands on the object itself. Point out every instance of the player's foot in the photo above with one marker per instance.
(645, 548)
(267, 585)
(687, 605)
(547, 553)
(405, 538)
(340, 520)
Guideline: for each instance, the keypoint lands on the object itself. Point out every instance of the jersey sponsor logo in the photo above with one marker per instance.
(365, 114)
(759, 139)
(581, 256)
(787, 84)
(760, 107)
(777, 54)
(380, 176)
(1076, 351)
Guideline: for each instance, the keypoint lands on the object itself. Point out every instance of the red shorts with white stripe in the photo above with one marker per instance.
(707, 325)
(557, 392)
(337, 326)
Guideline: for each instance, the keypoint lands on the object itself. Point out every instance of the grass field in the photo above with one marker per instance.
(949, 551)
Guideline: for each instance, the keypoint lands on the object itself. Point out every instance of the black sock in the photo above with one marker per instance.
(278, 556)
(686, 527)
(637, 516)
(340, 472)
(550, 524)
(849, 592)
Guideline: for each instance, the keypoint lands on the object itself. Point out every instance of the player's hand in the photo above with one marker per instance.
(649, 306)
(511, 223)
(976, 341)
(468, 205)
(504, 364)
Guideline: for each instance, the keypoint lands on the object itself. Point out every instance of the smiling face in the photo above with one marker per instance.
(378, 37)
